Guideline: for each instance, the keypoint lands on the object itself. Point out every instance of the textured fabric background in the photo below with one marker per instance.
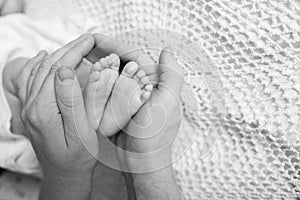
(254, 46)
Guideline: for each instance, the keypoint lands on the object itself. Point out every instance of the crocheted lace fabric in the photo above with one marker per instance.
(241, 101)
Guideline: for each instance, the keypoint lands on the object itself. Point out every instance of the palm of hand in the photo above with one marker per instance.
(150, 134)
(53, 110)
(43, 115)
(155, 126)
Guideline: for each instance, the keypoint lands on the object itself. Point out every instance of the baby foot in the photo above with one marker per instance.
(98, 89)
(155, 125)
(131, 91)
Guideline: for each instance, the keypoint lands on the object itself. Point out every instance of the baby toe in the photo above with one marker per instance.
(114, 61)
(94, 77)
(140, 74)
(146, 95)
(96, 67)
(130, 69)
(103, 62)
(145, 80)
(149, 87)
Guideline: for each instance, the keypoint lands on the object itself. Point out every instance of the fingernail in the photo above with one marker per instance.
(65, 73)
(85, 36)
(42, 53)
(132, 66)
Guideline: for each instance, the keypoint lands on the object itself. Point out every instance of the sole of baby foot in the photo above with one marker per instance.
(99, 87)
(155, 126)
(131, 91)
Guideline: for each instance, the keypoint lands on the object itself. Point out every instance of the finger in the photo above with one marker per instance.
(32, 75)
(45, 66)
(71, 105)
(71, 58)
(74, 56)
(23, 79)
(126, 52)
(170, 72)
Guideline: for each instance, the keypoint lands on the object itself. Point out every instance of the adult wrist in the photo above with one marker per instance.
(149, 162)
(66, 187)
(160, 184)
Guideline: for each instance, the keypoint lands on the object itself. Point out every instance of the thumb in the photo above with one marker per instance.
(171, 73)
(71, 105)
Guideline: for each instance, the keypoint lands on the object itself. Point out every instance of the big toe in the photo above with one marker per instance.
(114, 61)
(130, 69)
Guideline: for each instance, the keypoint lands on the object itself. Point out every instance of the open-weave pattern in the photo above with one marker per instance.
(255, 46)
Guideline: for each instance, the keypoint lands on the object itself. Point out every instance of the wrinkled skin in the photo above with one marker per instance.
(56, 126)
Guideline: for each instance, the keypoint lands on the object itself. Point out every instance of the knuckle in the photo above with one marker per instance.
(34, 70)
(55, 66)
(45, 64)
(34, 113)
(71, 101)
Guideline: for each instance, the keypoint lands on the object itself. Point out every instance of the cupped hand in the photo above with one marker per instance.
(147, 139)
(53, 111)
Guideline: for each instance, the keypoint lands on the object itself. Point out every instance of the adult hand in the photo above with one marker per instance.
(147, 140)
(105, 46)
(164, 103)
(11, 6)
(54, 115)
